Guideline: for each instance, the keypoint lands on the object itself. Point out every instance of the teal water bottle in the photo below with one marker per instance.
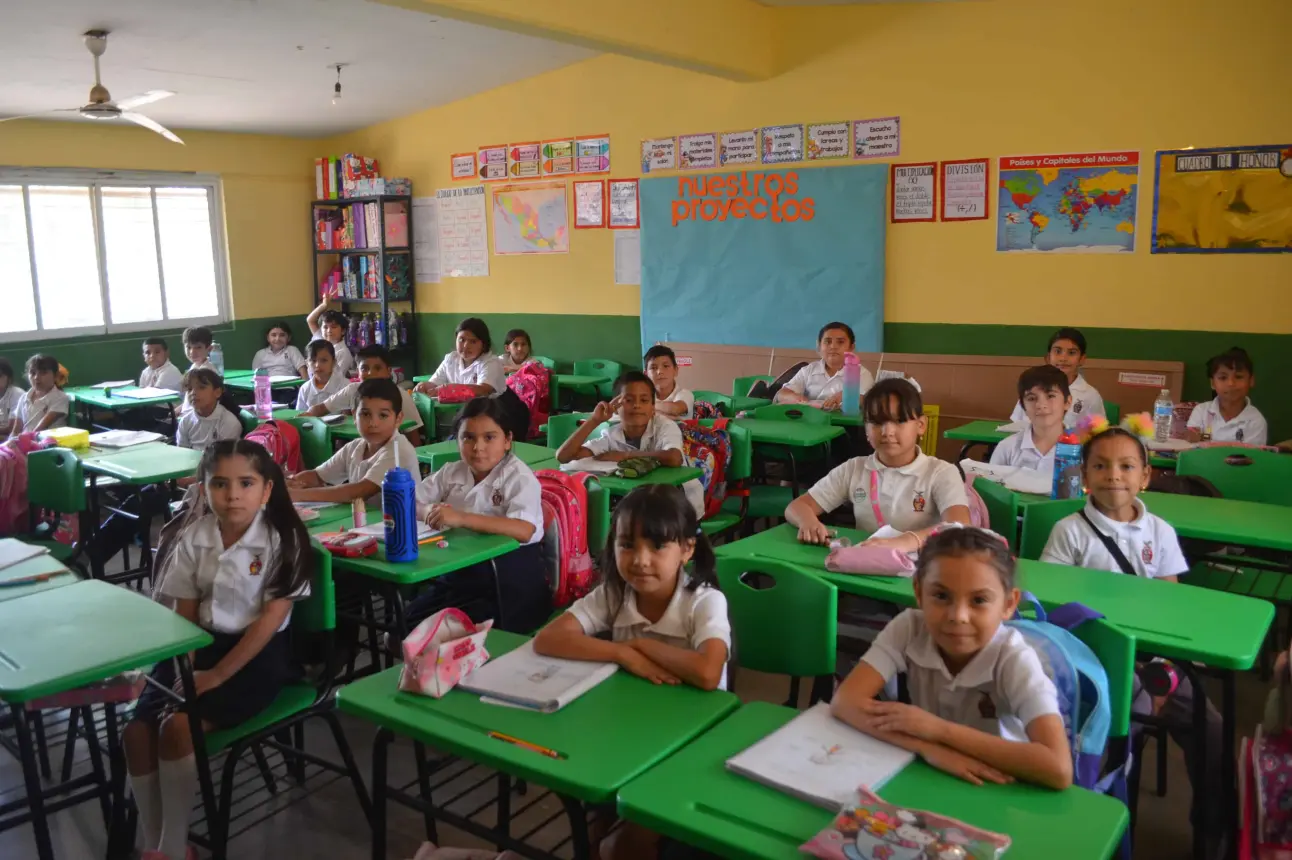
(399, 513)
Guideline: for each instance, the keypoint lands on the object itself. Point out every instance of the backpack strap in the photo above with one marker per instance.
(1111, 545)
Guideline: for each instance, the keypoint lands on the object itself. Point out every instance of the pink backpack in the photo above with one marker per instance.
(13, 489)
(282, 441)
(565, 534)
(531, 384)
(978, 517)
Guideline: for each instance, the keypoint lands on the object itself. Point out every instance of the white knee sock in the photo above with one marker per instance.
(178, 782)
(147, 792)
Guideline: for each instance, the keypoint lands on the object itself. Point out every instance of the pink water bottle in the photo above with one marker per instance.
(851, 384)
(264, 398)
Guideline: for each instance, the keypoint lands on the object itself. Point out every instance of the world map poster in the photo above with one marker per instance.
(1081, 202)
(530, 219)
(1235, 200)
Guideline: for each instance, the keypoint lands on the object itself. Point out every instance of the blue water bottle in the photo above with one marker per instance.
(1067, 468)
(399, 513)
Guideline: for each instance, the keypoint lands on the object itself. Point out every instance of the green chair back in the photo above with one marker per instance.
(56, 481)
(742, 450)
(722, 401)
(1113, 411)
(1116, 651)
(792, 412)
(316, 441)
(545, 361)
(562, 427)
(249, 421)
(317, 613)
(1039, 520)
(758, 617)
(425, 411)
(600, 367)
(1002, 509)
(1246, 474)
(598, 517)
(741, 384)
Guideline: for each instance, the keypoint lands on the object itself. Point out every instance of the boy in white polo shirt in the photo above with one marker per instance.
(1231, 417)
(1043, 391)
(822, 380)
(1067, 352)
(670, 398)
(374, 363)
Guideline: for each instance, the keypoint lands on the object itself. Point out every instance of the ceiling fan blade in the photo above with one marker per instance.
(42, 113)
(144, 98)
(151, 125)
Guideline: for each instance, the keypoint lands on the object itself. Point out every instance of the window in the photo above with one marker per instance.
(93, 252)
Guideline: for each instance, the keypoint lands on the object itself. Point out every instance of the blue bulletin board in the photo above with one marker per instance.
(764, 257)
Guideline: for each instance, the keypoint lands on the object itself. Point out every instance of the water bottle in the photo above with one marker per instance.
(1163, 412)
(1067, 482)
(399, 513)
(216, 357)
(264, 396)
(851, 384)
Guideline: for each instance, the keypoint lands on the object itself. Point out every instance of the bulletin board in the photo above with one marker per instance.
(764, 257)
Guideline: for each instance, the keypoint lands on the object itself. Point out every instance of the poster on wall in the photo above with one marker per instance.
(590, 204)
(912, 194)
(525, 160)
(491, 162)
(628, 258)
(592, 154)
(426, 238)
(624, 211)
(964, 189)
(782, 143)
(558, 157)
(462, 165)
(697, 151)
(464, 245)
(827, 140)
(738, 147)
(1081, 202)
(1231, 200)
(877, 138)
(530, 219)
(659, 153)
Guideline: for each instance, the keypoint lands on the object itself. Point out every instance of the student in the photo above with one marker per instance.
(1045, 396)
(197, 346)
(639, 432)
(158, 370)
(898, 485)
(823, 380)
(1231, 417)
(44, 405)
(982, 707)
(209, 419)
(10, 395)
(235, 572)
(322, 382)
(489, 491)
(332, 326)
(356, 471)
(670, 399)
(280, 358)
(516, 350)
(374, 363)
(1067, 352)
(471, 363)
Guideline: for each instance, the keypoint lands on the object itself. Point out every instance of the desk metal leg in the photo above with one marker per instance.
(117, 831)
(578, 827)
(96, 517)
(215, 827)
(380, 749)
(1200, 751)
(424, 789)
(497, 591)
(1228, 756)
(31, 781)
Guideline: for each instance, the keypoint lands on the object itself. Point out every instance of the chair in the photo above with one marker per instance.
(721, 401)
(929, 442)
(1002, 509)
(741, 384)
(598, 517)
(562, 427)
(761, 594)
(598, 367)
(1039, 520)
(1113, 411)
(1246, 474)
(249, 421)
(738, 473)
(316, 440)
(545, 361)
(56, 482)
(785, 453)
(425, 410)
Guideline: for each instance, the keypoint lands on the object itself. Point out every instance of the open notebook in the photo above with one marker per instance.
(819, 759)
(378, 530)
(528, 680)
(14, 551)
(144, 393)
(123, 438)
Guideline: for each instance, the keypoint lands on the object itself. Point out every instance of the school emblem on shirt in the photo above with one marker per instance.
(986, 707)
(1078, 406)
(1147, 553)
(859, 494)
(1238, 434)
(497, 498)
(918, 502)
(255, 567)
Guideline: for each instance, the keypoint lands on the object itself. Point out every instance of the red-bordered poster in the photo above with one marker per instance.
(964, 189)
(624, 209)
(462, 166)
(913, 192)
(589, 204)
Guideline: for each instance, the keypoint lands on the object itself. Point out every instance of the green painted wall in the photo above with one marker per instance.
(564, 338)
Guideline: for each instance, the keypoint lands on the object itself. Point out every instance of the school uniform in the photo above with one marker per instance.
(345, 363)
(310, 395)
(167, 376)
(694, 616)
(349, 466)
(911, 497)
(33, 408)
(510, 366)
(662, 434)
(1085, 401)
(1019, 449)
(200, 432)
(814, 382)
(9, 406)
(203, 365)
(347, 400)
(1247, 426)
(680, 395)
(486, 369)
(999, 692)
(229, 587)
(1148, 542)
(288, 361)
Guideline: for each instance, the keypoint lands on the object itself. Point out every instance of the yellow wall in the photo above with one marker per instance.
(969, 79)
(268, 182)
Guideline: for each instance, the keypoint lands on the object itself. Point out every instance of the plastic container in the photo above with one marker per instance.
(216, 357)
(1067, 483)
(399, 513)
(68, 437)
(1163, 412)
(851, 384)
(264, 395)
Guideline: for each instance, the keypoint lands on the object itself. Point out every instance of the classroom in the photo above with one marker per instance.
(959, 183)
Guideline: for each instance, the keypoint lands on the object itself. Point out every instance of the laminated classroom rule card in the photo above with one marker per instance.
(624, 212)
(782, 143)
(738, 147)
(697, 151)
(462, 166)
(558, 157)
(964, 189)
(826, 140)
(592, 154)
(877, 138)
(524, 160)
(913, 192)
(464, 243)
(659, 153)
(491, 163)
(590, 204)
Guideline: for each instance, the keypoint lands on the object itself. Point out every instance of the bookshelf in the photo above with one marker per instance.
(375, 277)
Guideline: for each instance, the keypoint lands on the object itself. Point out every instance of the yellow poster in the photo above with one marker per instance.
(1233, 200)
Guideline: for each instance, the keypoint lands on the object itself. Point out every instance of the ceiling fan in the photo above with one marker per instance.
(101, 106)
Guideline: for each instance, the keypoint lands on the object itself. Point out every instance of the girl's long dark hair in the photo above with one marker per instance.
(294, 565)
(661, 514)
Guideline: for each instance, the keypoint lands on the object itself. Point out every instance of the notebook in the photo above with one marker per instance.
(378, 530)
(283, 378)
(817, 758)
(123, 438)
(525, 679)
(14, 551)
(116, 383)
(1015, 478)
(1012, 427)
(144, 393)
(592, 465)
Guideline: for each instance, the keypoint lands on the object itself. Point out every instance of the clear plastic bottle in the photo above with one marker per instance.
(851, 384)
(1163, 412)
(264, 395)
(216, 357)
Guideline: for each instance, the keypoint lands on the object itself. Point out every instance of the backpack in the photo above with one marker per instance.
(13, 489)
(979, 518)
(531, 384)
(709, 450)
(705, 409)
(282, 441)
(565, 534)
(769, 389)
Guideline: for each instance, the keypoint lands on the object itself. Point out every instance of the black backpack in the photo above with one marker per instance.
(769, 389)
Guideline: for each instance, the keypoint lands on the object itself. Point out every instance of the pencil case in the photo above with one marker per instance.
(872, 829)
(441, 651)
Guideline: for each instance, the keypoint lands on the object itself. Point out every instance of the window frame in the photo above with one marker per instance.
(96, 180)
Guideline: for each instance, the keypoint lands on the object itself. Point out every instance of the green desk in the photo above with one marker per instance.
(674, 476)
(609, 736)
(39, 566)
(985, 433)
(792, 434)
(248, 383)
(345, 430)
(691, 796)
(238, 373)
(88, 399)
(284, 414)
(68, 637)
(570, 380)
(441, 453)
(745, 402)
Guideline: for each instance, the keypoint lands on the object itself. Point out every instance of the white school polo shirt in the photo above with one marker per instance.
(198, 432)
(911, 497)
(347, 400)
(1247, 426)
(1019, 449)
(485, 370)
(9, 407)
(229, 584)
(680, 395)
(349, 466)
(198, 365)
(309, 395)
(32, 409)
(344, 359)
(1085, 401)
(814, 382)
(167, 376)
(286, 362)
(1148, 543)
(510, 490)
(693, 617)
(662, 434)
(1001, 690)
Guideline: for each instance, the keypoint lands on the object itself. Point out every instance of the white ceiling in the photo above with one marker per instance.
(259, 65)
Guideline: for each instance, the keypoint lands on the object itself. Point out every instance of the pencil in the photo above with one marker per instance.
(550, 753)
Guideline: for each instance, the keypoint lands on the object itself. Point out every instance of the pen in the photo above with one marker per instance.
(29, 580)
(527, 745)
